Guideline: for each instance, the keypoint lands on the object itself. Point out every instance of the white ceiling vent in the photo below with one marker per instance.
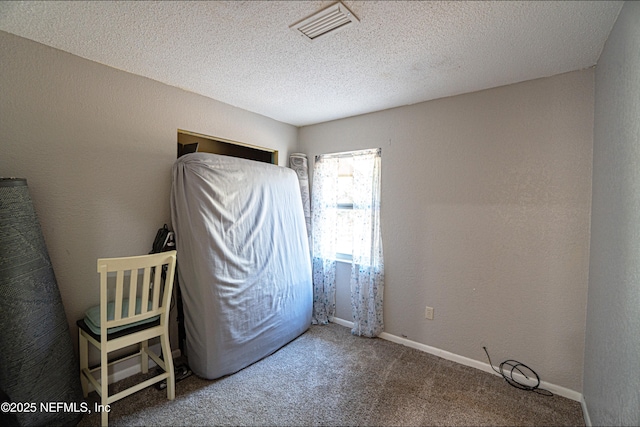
(328, 20)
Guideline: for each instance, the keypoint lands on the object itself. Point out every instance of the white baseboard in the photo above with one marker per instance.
(483, 366)
(341, 322)
(585, 412)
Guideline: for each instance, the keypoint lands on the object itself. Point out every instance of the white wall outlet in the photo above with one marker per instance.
(428, 313)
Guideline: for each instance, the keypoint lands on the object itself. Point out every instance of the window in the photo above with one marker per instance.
(336, 201)
(345, 201)
(344, 205)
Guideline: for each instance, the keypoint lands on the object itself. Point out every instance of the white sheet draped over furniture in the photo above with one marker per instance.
(243, 266)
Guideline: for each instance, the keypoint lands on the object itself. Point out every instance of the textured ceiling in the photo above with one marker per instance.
(244, 54)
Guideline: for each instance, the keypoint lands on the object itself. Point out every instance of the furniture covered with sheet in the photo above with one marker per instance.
(243, 265)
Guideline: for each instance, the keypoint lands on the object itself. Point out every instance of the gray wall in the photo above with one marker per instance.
(96, 146)
(612, 354)
(486, 200)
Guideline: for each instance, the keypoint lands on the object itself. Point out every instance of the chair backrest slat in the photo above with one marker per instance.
(133, 291)
(119, 292)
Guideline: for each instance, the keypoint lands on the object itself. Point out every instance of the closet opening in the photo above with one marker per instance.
(191, 142)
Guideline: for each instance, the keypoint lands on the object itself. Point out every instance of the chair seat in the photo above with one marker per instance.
(92, 316)
(121, 332)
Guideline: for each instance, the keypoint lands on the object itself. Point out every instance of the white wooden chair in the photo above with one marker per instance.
(130, 312)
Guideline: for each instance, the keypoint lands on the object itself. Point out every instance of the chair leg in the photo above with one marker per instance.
(104, 417)
(104, 385)
(144, 356)
(84, 362)
(168, 363)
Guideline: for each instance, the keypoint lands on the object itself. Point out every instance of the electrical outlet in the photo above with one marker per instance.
(428, 313)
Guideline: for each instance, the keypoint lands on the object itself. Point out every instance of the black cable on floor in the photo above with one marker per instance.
(518, 367)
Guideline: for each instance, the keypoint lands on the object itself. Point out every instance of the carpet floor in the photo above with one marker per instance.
(328, 377)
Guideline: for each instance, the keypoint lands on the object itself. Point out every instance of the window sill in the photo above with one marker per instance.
(342, 257)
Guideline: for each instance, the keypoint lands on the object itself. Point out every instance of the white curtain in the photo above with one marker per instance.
(324, 232)
(367, 268)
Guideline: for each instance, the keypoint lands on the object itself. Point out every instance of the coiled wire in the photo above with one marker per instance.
(520, 368)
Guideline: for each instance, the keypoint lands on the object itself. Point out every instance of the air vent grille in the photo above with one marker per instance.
(328, 20)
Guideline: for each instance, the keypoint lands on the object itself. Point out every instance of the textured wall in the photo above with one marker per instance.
(612, 355)
(486, 201)
(96, 146)
(403, 53)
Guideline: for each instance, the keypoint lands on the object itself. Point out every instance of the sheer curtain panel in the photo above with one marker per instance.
(367, 268)
(324, 238)
(365, 243)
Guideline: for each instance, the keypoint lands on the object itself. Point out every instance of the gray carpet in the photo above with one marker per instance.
(329, 377)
